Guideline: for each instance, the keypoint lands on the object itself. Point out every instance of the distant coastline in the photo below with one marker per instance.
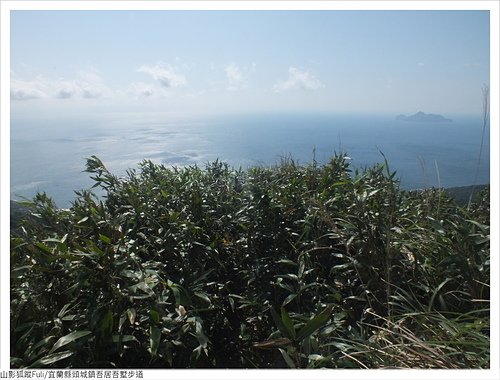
(421, 117)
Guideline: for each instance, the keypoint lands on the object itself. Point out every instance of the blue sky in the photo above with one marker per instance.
(390, 62)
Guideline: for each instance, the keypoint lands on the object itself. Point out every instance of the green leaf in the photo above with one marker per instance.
(482, 227)
(436, 225)
(124, 338)
(105, 239)
(287, 261)
(315, 323)
(482, 240)
(43, 248)
(155, 316)
(435, 293)
(203, 296)
(121, 321)
(20, 271)
(83, 220)
(52, 240)
(180, 294)
(42, 342)
(131, 313)
(106, 325)
(64, 310)
(287, 358)
(70, 338)
(273, 343)
(231, 303)
(195, 355)
(288, 323)
(302, 267)
(289, 299)
(154, 339)
(52, 358)
(200, 335)
(279, 323)
(16, 362)
(144, 287)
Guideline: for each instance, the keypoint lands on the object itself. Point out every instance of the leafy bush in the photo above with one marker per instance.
(284, 266)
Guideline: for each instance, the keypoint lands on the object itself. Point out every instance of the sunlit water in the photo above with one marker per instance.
(49, 155)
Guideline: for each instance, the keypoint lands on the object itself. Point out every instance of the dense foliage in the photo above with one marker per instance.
(284, 266)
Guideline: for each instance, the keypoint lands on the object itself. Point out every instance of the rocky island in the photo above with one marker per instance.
(421, 117)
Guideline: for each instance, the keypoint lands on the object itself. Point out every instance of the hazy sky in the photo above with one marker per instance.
(392, 62)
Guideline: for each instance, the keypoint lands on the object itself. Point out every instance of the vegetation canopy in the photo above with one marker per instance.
(289, 266)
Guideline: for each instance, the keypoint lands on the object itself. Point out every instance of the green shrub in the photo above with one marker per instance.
(284, 266)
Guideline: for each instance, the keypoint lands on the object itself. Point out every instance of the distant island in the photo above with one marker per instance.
(421, 117)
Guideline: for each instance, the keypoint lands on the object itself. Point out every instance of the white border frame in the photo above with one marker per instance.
(6, 6)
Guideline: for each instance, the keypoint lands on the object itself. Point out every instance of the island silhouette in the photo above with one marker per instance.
(421, 117)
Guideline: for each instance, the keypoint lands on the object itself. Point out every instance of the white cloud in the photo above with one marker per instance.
(141, 89)
(234, 77)
(26, 90)
(91, 85)
(22, 94)
(300, 79)
(66, 89)
(86, 85)
(91, 93)
(165, 75)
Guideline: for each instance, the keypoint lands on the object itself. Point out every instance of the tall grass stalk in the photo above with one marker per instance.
(486, 120)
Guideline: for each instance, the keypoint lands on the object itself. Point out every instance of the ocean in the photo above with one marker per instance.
(49, 154)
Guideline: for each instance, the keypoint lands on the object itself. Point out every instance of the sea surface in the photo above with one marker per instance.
(48, 155)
